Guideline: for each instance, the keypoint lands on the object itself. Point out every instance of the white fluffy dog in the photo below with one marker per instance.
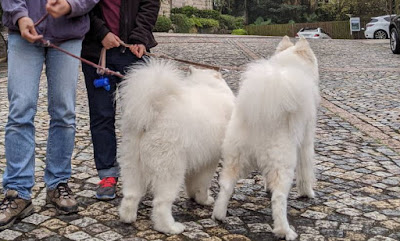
(272, 128)
(172, 132)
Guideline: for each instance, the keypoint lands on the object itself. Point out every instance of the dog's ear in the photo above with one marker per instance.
(218, 75)
(284, 44)
(192, 69)
(304, 50)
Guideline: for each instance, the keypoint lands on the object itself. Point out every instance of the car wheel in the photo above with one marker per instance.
(380, 34)
(394, 41)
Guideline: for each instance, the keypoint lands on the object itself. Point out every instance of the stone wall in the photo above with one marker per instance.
(166, 5)
(200, 4)
(165, 8)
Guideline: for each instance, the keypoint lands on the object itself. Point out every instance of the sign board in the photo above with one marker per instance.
(355, 24)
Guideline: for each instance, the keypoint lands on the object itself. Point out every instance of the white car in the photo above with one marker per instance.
(378, 27)
(315, 33)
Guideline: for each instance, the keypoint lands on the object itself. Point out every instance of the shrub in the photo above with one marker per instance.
(197, 22)
(212, 14)
(230, 22)
(163, 24)
(182, 22)
(194, 12)
(239, 22)
(189, 11)
(258, 21)
(205, 23)
(227, 21)
(239, 31)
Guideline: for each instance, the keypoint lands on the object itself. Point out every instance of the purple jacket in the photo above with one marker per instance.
(73, 26)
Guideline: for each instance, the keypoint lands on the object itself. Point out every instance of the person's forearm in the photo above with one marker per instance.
(79, 7)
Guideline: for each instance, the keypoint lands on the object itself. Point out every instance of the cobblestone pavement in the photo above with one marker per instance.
(357, 155)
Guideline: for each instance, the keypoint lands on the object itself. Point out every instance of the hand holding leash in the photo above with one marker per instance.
(138, 49)
(110, 41)
(58, 8)
(27, 29)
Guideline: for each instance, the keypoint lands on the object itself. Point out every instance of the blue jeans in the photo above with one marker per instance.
(25, 64)
(102, 111)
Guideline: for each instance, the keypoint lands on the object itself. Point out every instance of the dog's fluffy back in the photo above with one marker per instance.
(192, 111)
(280, 91)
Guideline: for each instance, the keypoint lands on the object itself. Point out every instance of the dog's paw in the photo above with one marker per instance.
(175, 228)
(307, 193)
(127, 218)
(208, 202)
(288, 233)
(218, 214)
(127, 215)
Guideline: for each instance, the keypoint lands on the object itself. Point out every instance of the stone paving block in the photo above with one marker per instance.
(35, 219)
(9, 234)
(192, 226)
(54, 224)
(259, 227)
(41, 233)
(310, 237)
(109, 235)
(83, 222)
(314, 214)
(196, 235)
(376, 216)
(80, 235)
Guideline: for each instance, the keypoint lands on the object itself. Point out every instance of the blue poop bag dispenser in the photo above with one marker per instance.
(102, 82)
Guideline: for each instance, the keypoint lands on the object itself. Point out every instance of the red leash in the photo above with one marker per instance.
(107, 71)
(47, 43)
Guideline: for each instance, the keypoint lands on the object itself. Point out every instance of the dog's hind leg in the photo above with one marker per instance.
(279, 176)
(228, 178)
(199, 182)
(166, 189)
(133, 188)
(305, 168)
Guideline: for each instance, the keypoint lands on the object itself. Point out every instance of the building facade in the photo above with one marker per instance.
(167, 5)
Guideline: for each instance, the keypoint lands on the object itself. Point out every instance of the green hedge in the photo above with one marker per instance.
(205, 23)
(210, 18)
(187, 10)
(163, 24)
(239, 32)
(212, 14)
(230, 22)
(183, 23)
(194, 12)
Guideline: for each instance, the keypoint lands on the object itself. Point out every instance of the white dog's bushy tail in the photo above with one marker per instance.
(145, 87)
(275, 94)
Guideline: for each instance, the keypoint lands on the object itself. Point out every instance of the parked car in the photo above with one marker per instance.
(394, 29)
(315, 33)
(378, 27)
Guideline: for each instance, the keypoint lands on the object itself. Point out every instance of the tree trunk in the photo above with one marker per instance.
(246, 13)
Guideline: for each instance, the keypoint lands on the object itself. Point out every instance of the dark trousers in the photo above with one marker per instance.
(102, 111)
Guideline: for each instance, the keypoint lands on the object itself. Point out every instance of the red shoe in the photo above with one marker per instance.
(107, 188)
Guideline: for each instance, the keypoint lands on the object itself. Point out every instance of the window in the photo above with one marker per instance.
(309, 30)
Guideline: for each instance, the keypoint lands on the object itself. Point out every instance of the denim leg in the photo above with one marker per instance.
(102, 124)
(25, 63)
(62, 76)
